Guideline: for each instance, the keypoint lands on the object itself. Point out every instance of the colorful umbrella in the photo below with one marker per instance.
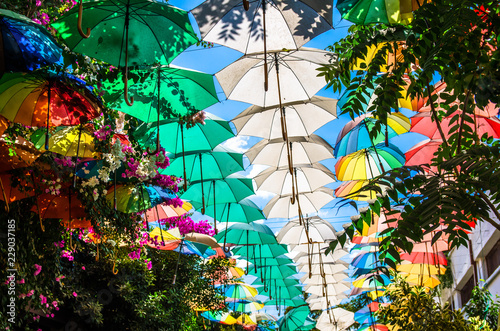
(369, 163)
(164, 210)
(239, 291)
(423, 152)
(295, 319)
(426, 258)
(219, 317)
(372, 281)
(274, 272)
(46, 100)
(245, 319)
(136, 198)
(65, 206)
(421, 269)
(14, 188)
(302, 117)
(21, 154)
(25, 45)
(355, 135)
(260, 251)
(244, 305)
(348, 190)
(377, 11)
(68, 141)
(246, 234)
(244, 211)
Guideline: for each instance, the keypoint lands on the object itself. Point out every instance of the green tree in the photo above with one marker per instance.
(483, 306)
(456, 42)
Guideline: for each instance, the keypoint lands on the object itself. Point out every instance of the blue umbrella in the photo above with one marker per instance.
(25, 45)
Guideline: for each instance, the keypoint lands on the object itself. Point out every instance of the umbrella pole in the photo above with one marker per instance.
(125, 77)
(77, 152)
(226, 249)
(48, 118)
(203, 190)
(183, 156)
(79, 23)
(177, 265)
(3, 192)
(157, 122)
(266, 78)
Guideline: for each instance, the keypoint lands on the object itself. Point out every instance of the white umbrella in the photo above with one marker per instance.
(322, 302)
(307, 177)
(335, 319)
(312, 230)
(306, 150)
(333, 289)
(334, 256)
(310, 202)
(318, 279)
(290, 23)
(324, 268)
(297, 69)
(303, 118)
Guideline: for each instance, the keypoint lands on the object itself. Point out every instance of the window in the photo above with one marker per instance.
(466, 291)
(493, 259)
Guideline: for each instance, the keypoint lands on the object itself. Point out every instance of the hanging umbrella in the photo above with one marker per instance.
(372, 281)
(277, 282)
(245, 319)
(294, 319)
(219, 317)
(205, 165)
(14, 188)
(246, 234)
(23, 152)
(369, 163)
(376, 11)
(295, 68)
(308, 178)
(287, 292)
(274, 272)
(46, 100)
(423, 152)
(258, 252)
(421, 269)
(306, 150)
(177, 139)
(325, 268)
(347, 190)
(165, 210)
(68, 141)
(285, 302)
(333, 289)
(310, 202)
(426, 258)
(239, 291)
(230, 189)
(65, 206)
(423, 123)
(127, 32)
(302, 117)
(355, 135)
(244, 211)
(135, 198)
(290, 24)
(317, 255)
(313, 230)
(422, 280)
(335, 319)
(246, 305)
(24, 44)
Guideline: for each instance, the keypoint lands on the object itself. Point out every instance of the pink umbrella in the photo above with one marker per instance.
(423, 152)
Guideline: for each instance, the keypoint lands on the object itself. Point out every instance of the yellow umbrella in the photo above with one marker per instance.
(347, 189)
(168, 235)
(421, 269)
(422, 280)
(245, 319)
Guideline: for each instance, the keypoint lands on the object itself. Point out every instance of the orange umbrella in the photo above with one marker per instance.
(19, 155)
(65, 206)
(77, 224)
(13, 190)
(4, 124)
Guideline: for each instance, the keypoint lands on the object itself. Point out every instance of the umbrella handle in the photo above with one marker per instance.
(79, 23)
(246, 5)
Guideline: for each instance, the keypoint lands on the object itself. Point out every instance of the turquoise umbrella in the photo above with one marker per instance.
(244, 211)
(296, 319)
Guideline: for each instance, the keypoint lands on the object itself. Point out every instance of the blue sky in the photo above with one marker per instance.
(212, 60)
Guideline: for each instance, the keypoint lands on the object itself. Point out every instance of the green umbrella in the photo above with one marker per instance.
(261, 251)
(280, 260)
(135, 198)
(163, 93)
(278, 282)
(285, 302)
(376, 11)
(275, 272)
(244, 211)
(230, 189)
(281, 292)
(178, 140)
(246, 234)
(296, 319)
(127, 32)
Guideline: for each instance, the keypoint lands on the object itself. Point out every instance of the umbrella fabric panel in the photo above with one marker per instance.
(244, 211)
(310, 202)
(157, 32)
(225, 191)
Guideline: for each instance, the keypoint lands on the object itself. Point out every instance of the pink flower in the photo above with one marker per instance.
(38, 3)
(74, 294)
(30, 293)
(43, 299)
(38, 269)
(20, 281)
(54, 303)
(149, 265)
(83, 268)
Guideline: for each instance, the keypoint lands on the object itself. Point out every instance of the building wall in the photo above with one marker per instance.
(484, 239)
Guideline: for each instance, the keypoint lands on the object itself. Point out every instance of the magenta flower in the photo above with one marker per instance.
(38, 269)
(74, 294)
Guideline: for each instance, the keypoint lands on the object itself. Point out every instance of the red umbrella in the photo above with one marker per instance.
(422, 123)
(65, 206)
(423, 152)
(425, 258)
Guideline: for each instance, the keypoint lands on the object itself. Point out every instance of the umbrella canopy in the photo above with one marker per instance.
(294, 319)
(424, 124)
(421, 269)
(348, 190)
(153, 31)
(308, 178)
(46, 100)
(68, 141)
(423, 152)
(245, 319)
(310, 202)
(25, 44)
(239, 291)
(65, 206)
(260, 251)
(426, 258)
(314, 229)
(246, 234)
(287, 292)
(355, 135)
(285, 302)
(180, 92)
(335, 319)
(290, 24)
(304, 150)
(23, 152)
(244, 211)
(331, 289)
(372, 281)
(274, 272)
(303, 118)
(174, 135)
(369, 163)
(377, 11)
(136, 198)
(163, 210)
(422, 280)
(219, 317)
(205, 165)
(246, 305)
(295, 68)
(318, 279)
(14, 188)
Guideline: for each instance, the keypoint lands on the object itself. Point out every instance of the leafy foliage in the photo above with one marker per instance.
(482, 305)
